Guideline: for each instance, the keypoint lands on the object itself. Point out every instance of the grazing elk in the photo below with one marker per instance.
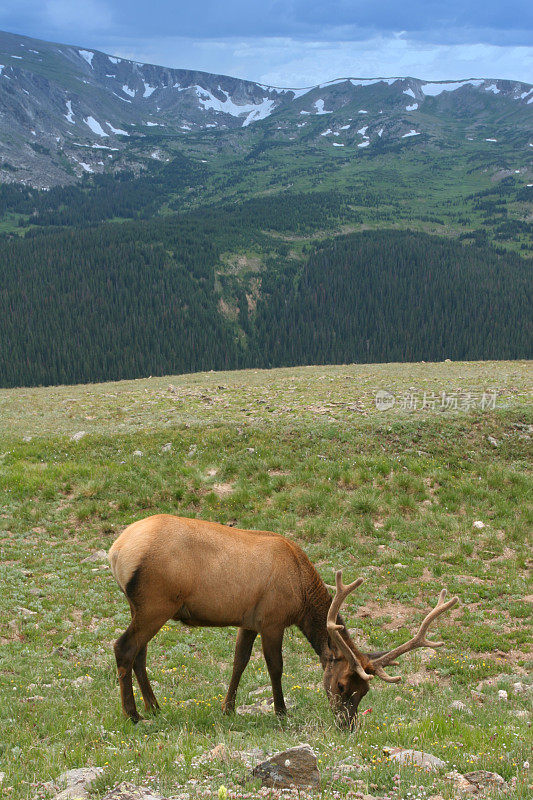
(205, 574)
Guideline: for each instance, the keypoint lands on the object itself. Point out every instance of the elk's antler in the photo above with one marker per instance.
(334, 628)
(419, 640)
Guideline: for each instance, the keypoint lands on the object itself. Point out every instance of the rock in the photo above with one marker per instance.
(98, 555)
(166, 447)
(2, 776)
(137, 453)
(77, 782)
(264, 705)
(172, 389)
(294, 767)
(521, 713)
(77, 436)
(26, 439)
(83, 680)
(483, 779)
(457, 705)
(477, 696)
(494, 442)
(127, 791)
(502, 694)
(478, 524)
(460, 782)
(418, 758)
(519, 687)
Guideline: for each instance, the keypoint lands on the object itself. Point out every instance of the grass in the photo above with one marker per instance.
(388, 495)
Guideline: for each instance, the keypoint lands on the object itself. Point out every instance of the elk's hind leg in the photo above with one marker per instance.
(243, 651)
(139, 667)
(144, 625)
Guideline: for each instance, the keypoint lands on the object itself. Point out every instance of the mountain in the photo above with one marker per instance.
(67, 111)
(159, 221)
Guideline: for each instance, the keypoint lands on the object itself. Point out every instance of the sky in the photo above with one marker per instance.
(295, 42)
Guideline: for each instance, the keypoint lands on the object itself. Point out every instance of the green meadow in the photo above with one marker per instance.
(433, 492)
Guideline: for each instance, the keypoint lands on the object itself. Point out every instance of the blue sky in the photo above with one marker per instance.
(296, 42)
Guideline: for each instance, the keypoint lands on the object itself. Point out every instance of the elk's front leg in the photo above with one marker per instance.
(272, 640)
(243, 651)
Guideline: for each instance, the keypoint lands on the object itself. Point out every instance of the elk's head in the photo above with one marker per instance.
(348, 671)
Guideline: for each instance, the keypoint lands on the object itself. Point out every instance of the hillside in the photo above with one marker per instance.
(67, 111)
(430, 493)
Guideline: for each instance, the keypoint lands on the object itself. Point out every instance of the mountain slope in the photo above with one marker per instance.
(66, 111)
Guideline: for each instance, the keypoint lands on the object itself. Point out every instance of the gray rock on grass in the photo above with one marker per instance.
(294, 767)
(77, 783)
(417, 758)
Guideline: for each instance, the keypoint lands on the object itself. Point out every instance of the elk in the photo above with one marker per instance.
(206, 574)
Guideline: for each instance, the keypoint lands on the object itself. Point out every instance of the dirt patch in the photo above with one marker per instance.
(223, 489)
(399, 613)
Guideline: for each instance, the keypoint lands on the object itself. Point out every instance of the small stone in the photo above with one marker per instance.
(77, 436)
(264, 705)
(482, 778)
(98, 555)
(418, 758)
(127, 791)
(77, 782)
(302, 769)
(26, 439)
(137, 453)
(478, 524)
(502, 694)
(494, 442)
(166, 447)
(519, 687)
(460, 783)
(251, 449)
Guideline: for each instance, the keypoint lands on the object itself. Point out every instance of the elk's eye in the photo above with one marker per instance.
(341, 687)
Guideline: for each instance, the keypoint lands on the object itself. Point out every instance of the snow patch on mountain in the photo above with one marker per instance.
(492, 88)
(114, 60)
(126, 89)
(409, 92)
(412, 108)
(95, 126)
(434, 89)
(370, 81)
(251, 111)
(319, 105)
(88, 55)
(69, 116)
(412, 132)
(116, 130)
(148, 90)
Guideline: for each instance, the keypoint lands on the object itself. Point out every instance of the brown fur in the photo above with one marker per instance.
(206, 574)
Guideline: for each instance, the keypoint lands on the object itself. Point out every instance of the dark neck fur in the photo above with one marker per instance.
(312, 622)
